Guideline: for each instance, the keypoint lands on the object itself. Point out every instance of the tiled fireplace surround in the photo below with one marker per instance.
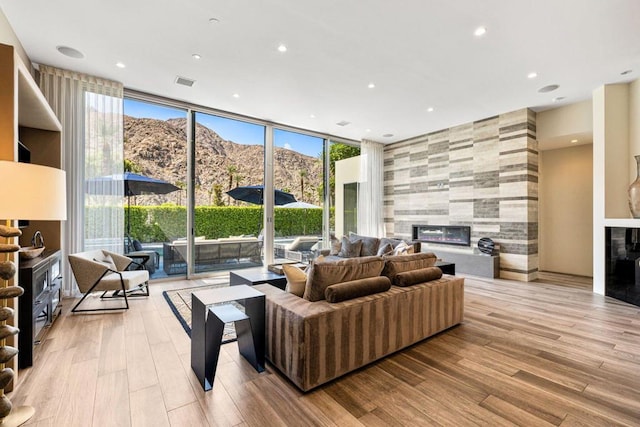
(482, 174)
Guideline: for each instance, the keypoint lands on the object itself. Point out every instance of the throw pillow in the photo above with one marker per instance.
(336, 245)
(107, 261)
(324, 274)
(350, 249)
(385, 249)
(369, 244)
(413, 277)
(401, 249)
(398, 264)
(357, 288)
(296, 279)
(137, 245)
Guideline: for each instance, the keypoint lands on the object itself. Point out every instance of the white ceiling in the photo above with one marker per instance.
(419, 54)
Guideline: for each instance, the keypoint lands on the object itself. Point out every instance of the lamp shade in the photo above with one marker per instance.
(32, 192)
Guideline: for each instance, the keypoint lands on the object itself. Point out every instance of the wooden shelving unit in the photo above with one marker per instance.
(26, 116)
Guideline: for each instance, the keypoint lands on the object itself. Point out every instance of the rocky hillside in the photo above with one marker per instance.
(158, 149)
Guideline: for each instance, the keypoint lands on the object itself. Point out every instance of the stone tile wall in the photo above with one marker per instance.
(482, 174)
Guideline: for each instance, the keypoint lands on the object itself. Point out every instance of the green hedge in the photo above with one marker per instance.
(165, 223)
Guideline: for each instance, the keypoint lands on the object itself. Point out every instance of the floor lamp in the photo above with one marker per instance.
(34, 192)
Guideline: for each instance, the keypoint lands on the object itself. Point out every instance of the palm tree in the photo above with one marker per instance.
(231, 169)
(303, 174)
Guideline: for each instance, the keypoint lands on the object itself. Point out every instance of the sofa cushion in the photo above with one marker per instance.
(400, 263)
(349, 249)
(357, 288)
(324, 274)
(413, 277)
(296, 279)
(369, 244)
(403, 249)
(336, 245)
(385, 249)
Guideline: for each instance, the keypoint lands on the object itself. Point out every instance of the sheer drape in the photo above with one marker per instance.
(370, 191)
(90, 110)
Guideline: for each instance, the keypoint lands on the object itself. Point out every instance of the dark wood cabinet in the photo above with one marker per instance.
(41, 279)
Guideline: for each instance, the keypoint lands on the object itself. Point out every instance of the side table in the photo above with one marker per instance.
(256, 276)
(206, 329)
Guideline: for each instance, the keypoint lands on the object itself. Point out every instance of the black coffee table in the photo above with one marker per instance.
(257, 276)
(447, 267)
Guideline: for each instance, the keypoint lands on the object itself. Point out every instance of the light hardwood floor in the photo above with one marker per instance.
(533, 354)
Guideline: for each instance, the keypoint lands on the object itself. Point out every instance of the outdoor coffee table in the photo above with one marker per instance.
(207, 325)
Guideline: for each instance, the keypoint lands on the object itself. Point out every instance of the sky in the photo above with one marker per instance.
(231, 130)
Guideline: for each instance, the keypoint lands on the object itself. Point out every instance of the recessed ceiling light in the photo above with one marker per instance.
(558, 98)
(480, 31)
(196, 56)
(625, 72)
(70, 52)
(532, 75)
(213, 20)
(367, 130)
(313, 116)
(371, 85)
(430, 109)
(235, 95)
(343, 123)
(388, 135)
(548, 88)
(120, 65)
(573, 141)
(282, 48)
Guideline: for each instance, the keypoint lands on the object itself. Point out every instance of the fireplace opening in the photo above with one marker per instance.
(622, 267)
(458, 235)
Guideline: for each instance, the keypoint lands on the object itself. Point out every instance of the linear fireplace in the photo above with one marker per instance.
(622, 268)
(458, 235)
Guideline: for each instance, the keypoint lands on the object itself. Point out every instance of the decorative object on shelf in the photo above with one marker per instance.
(36, 248)
(634, 192)
(38, 193)
(486, 246)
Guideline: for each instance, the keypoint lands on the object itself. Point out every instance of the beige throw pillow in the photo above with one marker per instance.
(296, 279)
(324, 274)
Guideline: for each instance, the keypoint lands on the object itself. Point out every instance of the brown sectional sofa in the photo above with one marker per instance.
(315, 342)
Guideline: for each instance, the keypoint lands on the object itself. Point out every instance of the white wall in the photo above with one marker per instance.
(347, 170)
(9, 37)
(566, 210)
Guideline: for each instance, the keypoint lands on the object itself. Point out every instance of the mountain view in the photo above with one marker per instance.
(157, 148)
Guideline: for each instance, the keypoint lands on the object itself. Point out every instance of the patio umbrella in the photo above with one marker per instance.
(134, 185)
(254, 194)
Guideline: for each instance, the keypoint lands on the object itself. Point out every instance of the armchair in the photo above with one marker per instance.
(101, 270)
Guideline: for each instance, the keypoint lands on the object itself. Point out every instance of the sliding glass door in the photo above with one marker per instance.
(155, 148)
(298, 170)
(228, 190)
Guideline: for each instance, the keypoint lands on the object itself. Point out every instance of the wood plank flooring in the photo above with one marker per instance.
(533, 354)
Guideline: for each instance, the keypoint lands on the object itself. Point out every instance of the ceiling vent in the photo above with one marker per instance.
(343, 123)
(184, 81)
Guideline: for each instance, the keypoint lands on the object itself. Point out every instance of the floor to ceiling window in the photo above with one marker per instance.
(228, 178)
(298, 170)
(155, 150)
(214, 186)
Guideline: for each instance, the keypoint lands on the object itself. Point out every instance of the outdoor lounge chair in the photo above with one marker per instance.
(101, 270)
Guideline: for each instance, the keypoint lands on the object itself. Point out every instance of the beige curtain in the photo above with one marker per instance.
(90, 110)
(370, 189)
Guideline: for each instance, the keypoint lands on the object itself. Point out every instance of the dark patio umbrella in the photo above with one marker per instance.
(134, 185)
(254, 194)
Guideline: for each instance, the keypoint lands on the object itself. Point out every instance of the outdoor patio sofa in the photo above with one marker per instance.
(210, 252)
